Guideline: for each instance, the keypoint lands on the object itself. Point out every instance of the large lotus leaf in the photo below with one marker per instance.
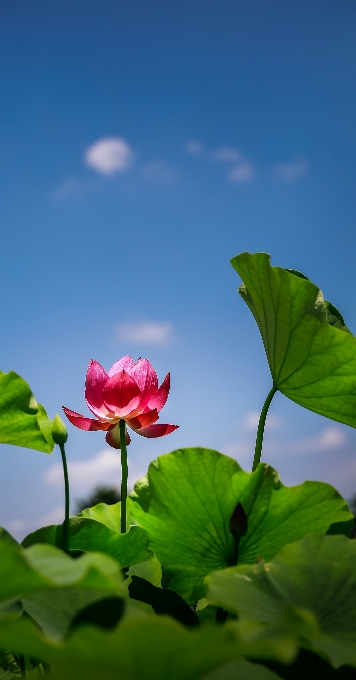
(110, 515)
(6, 536)
(145, 648)
(44, 566)
(162, 601)
(242, 670)
(150, 570)
(89, 535)
(54, 610)
(310, 666)
(312, 362)
(316, 574)
(186, 502)
(23, 421)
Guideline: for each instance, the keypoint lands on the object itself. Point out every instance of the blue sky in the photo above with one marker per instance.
(143, 145)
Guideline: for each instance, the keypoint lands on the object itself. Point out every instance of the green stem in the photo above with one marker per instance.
(124, 474)
(66, 512)
(261, 428)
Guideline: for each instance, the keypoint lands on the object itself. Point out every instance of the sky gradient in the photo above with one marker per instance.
(144, 144)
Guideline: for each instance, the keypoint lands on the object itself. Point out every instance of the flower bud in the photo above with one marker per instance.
(238, 522)
(59, 431)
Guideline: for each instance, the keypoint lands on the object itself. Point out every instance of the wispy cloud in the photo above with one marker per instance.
(329, 439)
(157, 333)
(227, 154)
(70, 188)
(109, 155)
(242, 172)
(194, 147)
(159, 172)
(241, 451)
(85, 474)
(241, 169)
(292, 170)
(21, 527)
(252, 419)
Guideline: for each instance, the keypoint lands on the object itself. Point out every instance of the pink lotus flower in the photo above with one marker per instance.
(130, 392)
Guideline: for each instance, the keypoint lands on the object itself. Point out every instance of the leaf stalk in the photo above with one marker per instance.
(124, 475)
(261, 428)
(66, 490)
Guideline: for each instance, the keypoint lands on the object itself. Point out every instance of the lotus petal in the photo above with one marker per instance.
(156, 430)
(113, 437)
(146, 378)
(87, 424)
(94, 384)
(144, 420)
(121, 394)
(124, 364)
(159, 399)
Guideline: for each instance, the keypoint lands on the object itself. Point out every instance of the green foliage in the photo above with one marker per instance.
(311, 584)
(5, 536)
(241, 670)
(45, 567)
(311, 361)
(54, 610)
(162, 601)
(90, 535)
(151, 571)
(143, 648)
(220, 570)
(187, 500)
(23, 421)
(110, 515)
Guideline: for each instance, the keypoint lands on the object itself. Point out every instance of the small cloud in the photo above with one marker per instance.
(109, 155)
(85, 474)
(330, 438)
(227, 154)
(193, 147)
(241, 451)
(21, 527)
(252, 419)
(158, 172)
(159, 334)
(291, 171)
(242, 172)
(70, 188)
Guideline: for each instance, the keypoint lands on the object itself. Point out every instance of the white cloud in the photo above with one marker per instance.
(159, 334)
(21, 527)
(69, 188)
(252, 419)
(193, 147)
(242, 172)
(109, 155)
(104, 467)
(291, 171)
(158, 172)
(227, 154)
(328, 439)
(241, 451)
